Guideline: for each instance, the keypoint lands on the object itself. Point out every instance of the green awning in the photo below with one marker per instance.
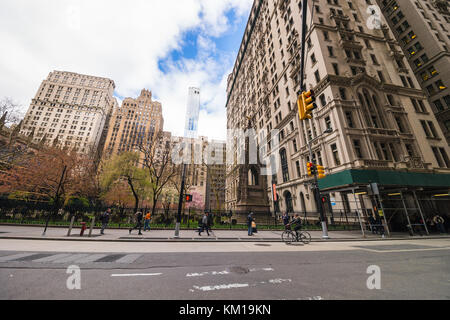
(393, 178)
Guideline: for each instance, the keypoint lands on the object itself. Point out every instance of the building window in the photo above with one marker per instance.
(335, 152)
(357, 146)
(284, 165)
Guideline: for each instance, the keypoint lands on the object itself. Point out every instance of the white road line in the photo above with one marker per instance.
(222, 287)
(53, 257)
(129, 258)
(238, 285)
(136, 275)
(91, 258)
(218, 273)
(214, 273)
(71, 258)
(404, 250)
(15, 256)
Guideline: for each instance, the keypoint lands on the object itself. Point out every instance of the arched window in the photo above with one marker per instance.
(253, 177)
(302, 202)
(288, 199)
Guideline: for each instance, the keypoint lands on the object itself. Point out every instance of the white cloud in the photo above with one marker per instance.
(121, 40)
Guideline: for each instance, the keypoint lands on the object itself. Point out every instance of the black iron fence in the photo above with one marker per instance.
(20, 212)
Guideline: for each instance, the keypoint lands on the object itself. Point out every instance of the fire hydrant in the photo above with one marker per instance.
(83, 227)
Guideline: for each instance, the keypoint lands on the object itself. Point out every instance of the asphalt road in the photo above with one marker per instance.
(408, 270)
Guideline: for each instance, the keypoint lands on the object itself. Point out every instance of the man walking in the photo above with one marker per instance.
(204, 224)
(250, 219)
(148, 217)
(138, 225)
(105, 220)
(285, 219)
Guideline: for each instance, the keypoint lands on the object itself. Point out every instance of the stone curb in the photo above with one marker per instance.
(215, 240)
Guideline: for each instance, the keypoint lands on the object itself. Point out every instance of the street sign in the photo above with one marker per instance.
(333, 201)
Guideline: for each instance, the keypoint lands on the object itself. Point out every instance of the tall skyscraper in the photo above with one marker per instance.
(136, 122)
(423, 30)
(192, 113)
(71, 110)
(373, 123)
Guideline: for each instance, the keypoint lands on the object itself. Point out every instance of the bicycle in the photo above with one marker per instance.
(289, 236)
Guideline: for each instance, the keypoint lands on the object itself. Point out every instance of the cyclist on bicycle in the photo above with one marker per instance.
(297, 222)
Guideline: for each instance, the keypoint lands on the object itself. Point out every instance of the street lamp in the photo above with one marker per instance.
(316, 187)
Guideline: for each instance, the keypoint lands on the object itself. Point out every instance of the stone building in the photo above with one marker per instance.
(378, 123)
(71, 110)
(136, 122)
(422, 28)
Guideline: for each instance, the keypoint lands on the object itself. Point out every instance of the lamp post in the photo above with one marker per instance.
(316, 187)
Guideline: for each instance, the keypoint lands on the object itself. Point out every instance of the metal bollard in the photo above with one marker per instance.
(71, 226)
(92, 226)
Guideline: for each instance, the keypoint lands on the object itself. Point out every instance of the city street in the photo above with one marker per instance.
(414, 269)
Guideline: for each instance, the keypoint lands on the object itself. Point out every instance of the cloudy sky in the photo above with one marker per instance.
(165, 46)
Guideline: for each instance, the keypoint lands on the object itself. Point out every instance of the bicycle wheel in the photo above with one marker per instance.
(288, 237)
(305, 237)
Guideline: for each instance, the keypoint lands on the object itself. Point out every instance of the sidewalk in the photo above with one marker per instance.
(114, 235)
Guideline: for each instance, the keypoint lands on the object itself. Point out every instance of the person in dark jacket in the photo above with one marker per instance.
(372, 223)
(105, 220)
(250, 219)
(204, 224)
(285, 219)
(138, 225)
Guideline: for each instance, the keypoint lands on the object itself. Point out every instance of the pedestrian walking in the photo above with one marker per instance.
(138, 225)
(372, 223)
(204, 224)
(285, 219)
(147, 219)
(439, 221)
(104, 218)
(250, 219)
(210, 221)
(380, 227)
(254, 229)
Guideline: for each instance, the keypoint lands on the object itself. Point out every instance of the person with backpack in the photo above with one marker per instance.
(104, 218)
(250, 221)
(138, 225)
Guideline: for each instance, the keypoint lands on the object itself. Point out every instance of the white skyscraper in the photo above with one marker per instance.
(192, 113)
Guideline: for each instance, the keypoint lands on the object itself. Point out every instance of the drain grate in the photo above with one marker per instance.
(263, 244)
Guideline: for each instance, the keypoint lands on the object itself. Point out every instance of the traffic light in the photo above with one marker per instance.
(309, 100)
(311, 167)
(320, 171)
(301, 107)
(188, 198)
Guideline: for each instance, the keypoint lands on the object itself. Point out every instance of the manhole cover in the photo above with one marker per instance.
(263, 244)
(240, 270)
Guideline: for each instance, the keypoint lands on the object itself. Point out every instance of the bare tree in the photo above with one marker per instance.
(156, 157)
(12, 110)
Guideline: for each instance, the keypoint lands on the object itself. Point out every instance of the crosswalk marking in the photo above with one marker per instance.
(91, 258)
(53, 257)
(16, 256)
(71, 258)
(129, 258)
